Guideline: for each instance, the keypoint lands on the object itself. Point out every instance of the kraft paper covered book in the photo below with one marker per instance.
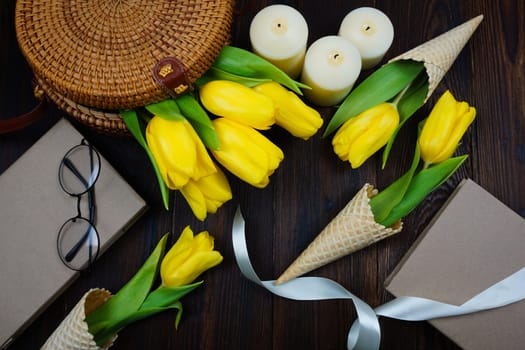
(472, 243)
(33, 207)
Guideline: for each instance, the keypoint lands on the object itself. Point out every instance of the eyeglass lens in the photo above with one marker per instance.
(79, 169)
(78, 240)
(78, 243)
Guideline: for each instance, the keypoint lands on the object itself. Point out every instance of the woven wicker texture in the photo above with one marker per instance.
(100, 53)
(101, 120)
(352, 229)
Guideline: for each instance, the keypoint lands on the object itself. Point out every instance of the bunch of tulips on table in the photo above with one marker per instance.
(433, 164)
(245, 94)
(98, 317)
(373, 215)
(368, 122)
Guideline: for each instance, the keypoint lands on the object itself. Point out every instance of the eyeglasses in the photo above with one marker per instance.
(78, 241)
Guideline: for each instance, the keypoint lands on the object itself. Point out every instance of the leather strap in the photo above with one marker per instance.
(26, 119)
(170, 74)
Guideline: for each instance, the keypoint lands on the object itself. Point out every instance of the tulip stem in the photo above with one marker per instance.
(400, 95)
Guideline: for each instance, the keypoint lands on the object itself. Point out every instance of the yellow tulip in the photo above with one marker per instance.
(246, 153)
(237, 102)
(363, 135)
(178, 151)
(291, 113)
(207, 194)
(444, 128)
(188, 258)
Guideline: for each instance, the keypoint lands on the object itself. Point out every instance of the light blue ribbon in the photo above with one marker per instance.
(365, 333)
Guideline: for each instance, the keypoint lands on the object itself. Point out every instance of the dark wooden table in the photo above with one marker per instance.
(309, 188)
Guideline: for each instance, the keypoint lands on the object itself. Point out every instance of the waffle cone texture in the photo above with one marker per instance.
(72, 333)
(352, 229)
(439, 54)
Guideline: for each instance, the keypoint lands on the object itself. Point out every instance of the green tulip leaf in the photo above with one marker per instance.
(108, 333)
(245, 63)
(130, 297)
(164, 296)
(380, 86)
(412, 100)
(166, 109)
(157, 301)
(133, 124)
(426, 181)
(177, 305)
(215, 73)
(199, 119)
(383, 203)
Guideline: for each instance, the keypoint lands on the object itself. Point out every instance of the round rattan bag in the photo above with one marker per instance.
(96, 57)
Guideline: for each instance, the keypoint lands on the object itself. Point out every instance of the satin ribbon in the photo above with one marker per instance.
(365, 332)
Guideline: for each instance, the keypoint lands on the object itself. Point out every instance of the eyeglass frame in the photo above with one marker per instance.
(90, 191)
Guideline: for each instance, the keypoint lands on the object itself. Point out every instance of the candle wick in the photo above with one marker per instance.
(279, 26)
(335, 57)
(368, 29)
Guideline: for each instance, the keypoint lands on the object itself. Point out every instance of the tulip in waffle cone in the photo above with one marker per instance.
(352, 229)
(72, 333)
(439, 54)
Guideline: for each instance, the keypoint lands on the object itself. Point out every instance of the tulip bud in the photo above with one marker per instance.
(246, 153)
(444, 128)
(188, 258)
(237, 102)
(207, 194)
(291, 113)
(178, 151)
(363, 135)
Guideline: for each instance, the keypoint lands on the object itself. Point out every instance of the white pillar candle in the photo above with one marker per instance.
(371, 31)
(331, 67)
(279, 34)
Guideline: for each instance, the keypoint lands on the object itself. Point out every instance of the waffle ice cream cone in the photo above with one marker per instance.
(439, 54)
(72, 333)
(352, 229)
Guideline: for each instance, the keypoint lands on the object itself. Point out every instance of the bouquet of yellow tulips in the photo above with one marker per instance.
(245, 94)
(371, 216)
(98, 317)
(175, 134)
(439, 138)
(371, 116)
